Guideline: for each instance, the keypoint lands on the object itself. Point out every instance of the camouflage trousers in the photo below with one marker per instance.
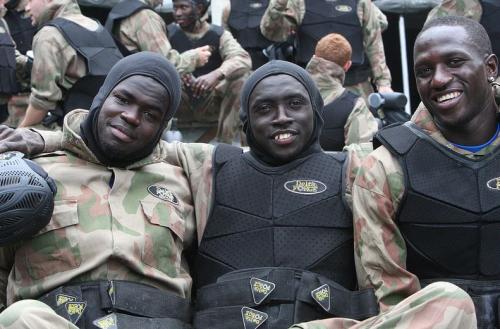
(439, 305)
(218, 109)
(34, 315)
(363, 89)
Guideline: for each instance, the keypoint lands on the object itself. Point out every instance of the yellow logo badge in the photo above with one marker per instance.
(261, 289)
(252, 319)
(343, 8)
(106, 322)
(494, 184)
(75, 310)
(322, 296)
(305, 186)
(63, 299)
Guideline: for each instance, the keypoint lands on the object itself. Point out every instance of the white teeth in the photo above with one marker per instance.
(282, 136)
(448, 96)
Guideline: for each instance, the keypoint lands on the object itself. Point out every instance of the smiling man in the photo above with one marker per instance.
(426, 202)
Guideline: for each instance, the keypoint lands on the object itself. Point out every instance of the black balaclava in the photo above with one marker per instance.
(144, 63)
(277, 67)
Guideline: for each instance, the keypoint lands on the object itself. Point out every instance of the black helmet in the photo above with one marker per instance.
(26, 197)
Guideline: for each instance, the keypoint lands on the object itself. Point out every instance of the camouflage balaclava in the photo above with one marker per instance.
(144, 63)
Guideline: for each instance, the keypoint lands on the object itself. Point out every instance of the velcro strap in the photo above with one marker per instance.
(125, 321)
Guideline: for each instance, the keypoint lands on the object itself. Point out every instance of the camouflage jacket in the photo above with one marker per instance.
(329, 78)
(135, 230)
(56, 65)
(236, 60)
(282, 17)
(377, 193)
(146, 30)
(468, 8)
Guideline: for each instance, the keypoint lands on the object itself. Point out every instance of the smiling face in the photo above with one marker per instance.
(131, 116)
(452, 76)
(281, 116)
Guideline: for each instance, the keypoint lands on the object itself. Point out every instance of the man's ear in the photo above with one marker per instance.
(199, 8)
(491, 62)
(347, 66)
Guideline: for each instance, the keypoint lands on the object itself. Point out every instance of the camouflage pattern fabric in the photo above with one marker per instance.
(219, 107)
(145, 30)
(56, 65)
(329, 78)
(282, 17)
(32, 314)
(17, 109)
(137, 230)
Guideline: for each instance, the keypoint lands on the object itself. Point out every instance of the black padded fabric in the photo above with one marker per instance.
(489, 19)
(8, 82)
(21, 29)
(244, 22)
(182, 43)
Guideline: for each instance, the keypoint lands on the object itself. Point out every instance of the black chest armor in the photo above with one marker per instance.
(8, 81)
(100, 54)
(180, 42)
(489, 19)
(244, 24)
(450, 215)
(335, 116)
(21, 29)
(323, 17)
(119, 12)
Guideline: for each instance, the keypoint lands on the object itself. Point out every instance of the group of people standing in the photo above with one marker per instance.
(146, 233)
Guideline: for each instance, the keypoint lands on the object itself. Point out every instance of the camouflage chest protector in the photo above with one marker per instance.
(278, 246)
(450, 216)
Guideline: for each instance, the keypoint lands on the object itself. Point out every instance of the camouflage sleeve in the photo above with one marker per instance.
(382, 19)
(281, 19)
(236, 60)
(146, 30)
(373, 44)
(360, 125)
(468, 8)
(380, 251)
(196, 161)
(6, 263)
(51, 59)
(355, 155)
(226, 11)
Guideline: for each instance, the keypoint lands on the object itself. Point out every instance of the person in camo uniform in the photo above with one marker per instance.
(347, 118)
(285, 17)
(425, 203)
(138, 27)
(123, 216)
(420, 311)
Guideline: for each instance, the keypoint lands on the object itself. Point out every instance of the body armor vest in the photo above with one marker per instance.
(119, 12)
(21, 29)
(285, 233)
(100, 54)
(335, 116)
(489, 19)
(8, 81)
(323, 17)
(244, 24)
(450, 216)
(182, 43)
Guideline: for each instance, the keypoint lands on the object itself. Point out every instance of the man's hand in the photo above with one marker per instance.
(385, 89)
(20, 139)
(206, 83)
(204, 54)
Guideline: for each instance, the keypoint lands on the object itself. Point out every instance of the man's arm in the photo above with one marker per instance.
(29, 141)
(373, 44)
(34, 115)
(468, 8)
(380, 251)
(281, 18)
(360, 125)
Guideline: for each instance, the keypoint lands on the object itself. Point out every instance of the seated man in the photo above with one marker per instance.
(210, 94)
(347, 118)
(426, 202)
(263, 260)
(113, 250)
(72, 55)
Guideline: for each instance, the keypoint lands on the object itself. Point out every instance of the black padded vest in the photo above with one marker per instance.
(21, 29)
(121, 11)
(180, 42)
(489, 19)
(291, 216)
(450, 214)
(100, 54)
(244, 24)
(335, 116)
(8, 81)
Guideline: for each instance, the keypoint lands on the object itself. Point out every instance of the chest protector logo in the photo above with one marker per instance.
(343, 8)
(255, 5)
(163, 193)
(305, 186)
(494, 184)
